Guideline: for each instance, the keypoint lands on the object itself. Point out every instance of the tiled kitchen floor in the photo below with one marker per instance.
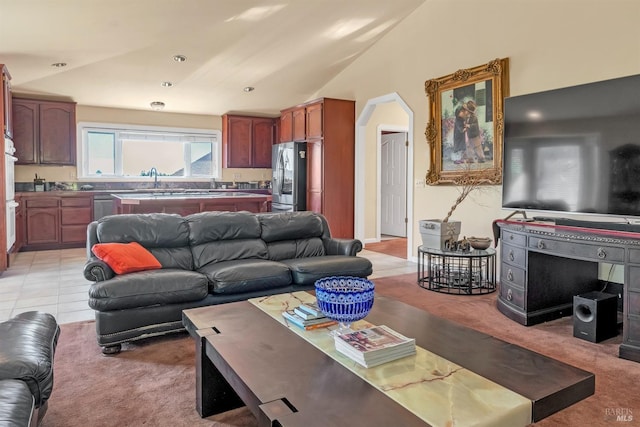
(52, 281)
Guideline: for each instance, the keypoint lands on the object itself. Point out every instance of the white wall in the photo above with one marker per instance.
(550, 43)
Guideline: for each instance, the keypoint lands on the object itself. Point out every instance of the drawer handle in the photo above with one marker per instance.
(509, 295)
(511, 237)
(601, 253)
(510, 276)
(540, 244)
(512, 256)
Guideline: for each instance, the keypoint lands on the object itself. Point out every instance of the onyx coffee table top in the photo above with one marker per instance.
(275, 364)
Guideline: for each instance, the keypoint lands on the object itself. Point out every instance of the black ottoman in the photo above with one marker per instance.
(28, 345)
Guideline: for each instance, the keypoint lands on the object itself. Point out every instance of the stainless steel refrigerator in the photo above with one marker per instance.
(289, 182)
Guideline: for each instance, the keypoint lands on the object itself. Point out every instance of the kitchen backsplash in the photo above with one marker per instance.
(64, 177)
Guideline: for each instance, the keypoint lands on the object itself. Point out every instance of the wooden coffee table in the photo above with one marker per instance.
(245, 357)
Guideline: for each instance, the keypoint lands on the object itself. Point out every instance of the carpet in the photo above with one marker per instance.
(152, 382)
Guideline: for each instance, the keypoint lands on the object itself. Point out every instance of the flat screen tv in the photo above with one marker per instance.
(574, 150)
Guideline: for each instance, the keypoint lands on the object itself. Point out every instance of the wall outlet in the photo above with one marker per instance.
(237, 176)
(420, 182)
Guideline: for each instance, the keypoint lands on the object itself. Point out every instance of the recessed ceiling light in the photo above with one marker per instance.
(157, 105)
(59, 64)
(249, 89)
(179, 58)
(166, 84)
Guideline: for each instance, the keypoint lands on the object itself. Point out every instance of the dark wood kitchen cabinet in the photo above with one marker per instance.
(328, 127)
(293, 124)
(44, 132)
(42, 221)
(55, 221)
(247, 141)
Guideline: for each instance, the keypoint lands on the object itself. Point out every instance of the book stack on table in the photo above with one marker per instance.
(307, 316)
(375, 345)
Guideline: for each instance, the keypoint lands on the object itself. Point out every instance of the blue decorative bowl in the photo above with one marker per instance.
(344, 299)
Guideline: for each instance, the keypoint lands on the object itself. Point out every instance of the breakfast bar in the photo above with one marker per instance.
(186, 203)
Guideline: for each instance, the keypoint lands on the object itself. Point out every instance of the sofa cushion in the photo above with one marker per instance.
(299, 248)
(207, 227)
(156, 230)
(224, 236)
(126, 257)
(166, 236)
(27, 349)
(305, 271)
(290, 226)
(247, 275)
(145, 288)
(181, 258)
(16, 403)
(227, 250)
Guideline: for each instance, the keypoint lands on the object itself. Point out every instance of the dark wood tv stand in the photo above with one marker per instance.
(544, 265)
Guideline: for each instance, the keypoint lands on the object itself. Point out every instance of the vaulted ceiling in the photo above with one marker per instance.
(119, 52)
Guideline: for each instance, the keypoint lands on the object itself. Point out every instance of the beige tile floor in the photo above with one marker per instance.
(52, 281)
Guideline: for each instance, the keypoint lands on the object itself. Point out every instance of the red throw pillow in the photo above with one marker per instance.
(126, 257)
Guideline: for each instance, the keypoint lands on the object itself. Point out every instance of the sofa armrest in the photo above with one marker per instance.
(334, 246)
(29, 342)
(97, 270)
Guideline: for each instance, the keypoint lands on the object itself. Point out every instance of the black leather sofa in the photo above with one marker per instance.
(208, 258)
(27, 346)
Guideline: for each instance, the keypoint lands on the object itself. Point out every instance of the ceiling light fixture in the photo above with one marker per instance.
(59, 64)
(249, 89)
(157, 105)
(166, 84)
(179, 58)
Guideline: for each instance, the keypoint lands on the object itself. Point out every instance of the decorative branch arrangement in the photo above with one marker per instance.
(468, 182)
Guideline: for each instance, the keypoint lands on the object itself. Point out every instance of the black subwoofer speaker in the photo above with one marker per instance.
(595, 316)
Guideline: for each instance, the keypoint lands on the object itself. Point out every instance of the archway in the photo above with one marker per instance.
(361, 166)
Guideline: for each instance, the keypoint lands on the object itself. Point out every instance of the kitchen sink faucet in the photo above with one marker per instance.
(154, 173)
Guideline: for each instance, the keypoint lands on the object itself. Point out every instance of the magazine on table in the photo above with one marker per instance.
(311, 308)
(307, 315)
(375, 345)
(291, 317)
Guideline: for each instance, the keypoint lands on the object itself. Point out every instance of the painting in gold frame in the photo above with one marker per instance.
(466, 124)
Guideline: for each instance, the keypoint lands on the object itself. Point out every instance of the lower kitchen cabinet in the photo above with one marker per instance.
(55, 221)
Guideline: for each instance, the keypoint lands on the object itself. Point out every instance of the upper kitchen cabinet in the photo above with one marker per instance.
(44, 132)
(293, 124)
(286, 126)
(328, 127)
(313, 118)
(6, 102)
(247, 141)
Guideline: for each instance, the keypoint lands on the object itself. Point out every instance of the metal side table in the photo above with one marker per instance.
(463, 273)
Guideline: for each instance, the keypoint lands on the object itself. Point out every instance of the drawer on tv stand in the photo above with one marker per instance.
(512, 295)
(514, 255)
(589, 251)
(512, 275)
(514, 238)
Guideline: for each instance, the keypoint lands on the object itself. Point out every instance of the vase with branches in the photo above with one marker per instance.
(466, 184)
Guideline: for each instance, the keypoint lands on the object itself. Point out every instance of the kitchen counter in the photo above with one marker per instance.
(137, 198)
(189, 202)
(144, 190)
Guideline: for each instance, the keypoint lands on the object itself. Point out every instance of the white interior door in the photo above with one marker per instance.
(393, 185)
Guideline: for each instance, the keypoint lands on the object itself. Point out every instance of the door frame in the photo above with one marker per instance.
(361, 124)
(395, 129)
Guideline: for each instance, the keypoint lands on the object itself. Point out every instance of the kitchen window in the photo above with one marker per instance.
(126, 151)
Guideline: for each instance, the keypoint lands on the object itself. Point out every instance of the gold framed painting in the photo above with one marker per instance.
(466, 124)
